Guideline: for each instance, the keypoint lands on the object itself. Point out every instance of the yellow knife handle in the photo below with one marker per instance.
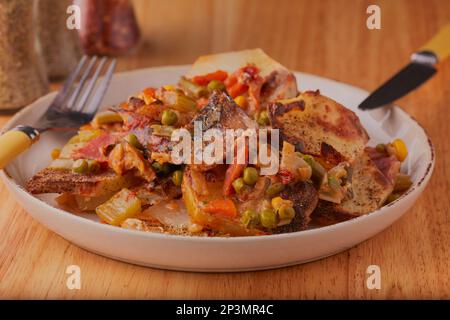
(16, 141)
(440, 43)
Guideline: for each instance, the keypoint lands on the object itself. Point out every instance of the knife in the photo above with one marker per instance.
(421, 68)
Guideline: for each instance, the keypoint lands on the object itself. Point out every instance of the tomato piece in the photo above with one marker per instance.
(205, 79)
(230, 81)
(286, 176)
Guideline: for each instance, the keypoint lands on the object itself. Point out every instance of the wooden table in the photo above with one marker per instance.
(327, 38)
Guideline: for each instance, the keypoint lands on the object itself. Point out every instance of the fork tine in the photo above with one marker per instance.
(75, 95)
(100, 93)
(83, 101)
(63, 93)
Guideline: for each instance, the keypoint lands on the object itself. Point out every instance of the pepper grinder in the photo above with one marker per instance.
(22, 73)
(61, 48)
(108, 27)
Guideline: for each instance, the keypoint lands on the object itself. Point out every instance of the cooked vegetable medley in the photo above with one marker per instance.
(120, 166)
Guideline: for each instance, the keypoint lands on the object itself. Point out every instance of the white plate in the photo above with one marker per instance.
(221, 254)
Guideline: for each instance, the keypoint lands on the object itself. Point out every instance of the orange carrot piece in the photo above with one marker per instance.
(150, 92)
(222, 207)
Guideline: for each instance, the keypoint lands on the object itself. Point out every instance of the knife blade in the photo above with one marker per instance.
(408, 79)
(421, 68)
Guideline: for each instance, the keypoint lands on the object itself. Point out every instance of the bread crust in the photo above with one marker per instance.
(311, 119)
(64, 181)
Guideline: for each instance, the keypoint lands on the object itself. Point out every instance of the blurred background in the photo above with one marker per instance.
(328, 37)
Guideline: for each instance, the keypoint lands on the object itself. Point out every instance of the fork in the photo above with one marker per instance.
(73, 106)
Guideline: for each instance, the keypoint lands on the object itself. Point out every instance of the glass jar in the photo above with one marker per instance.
(60, 46)
(108, 27)
(22, 73)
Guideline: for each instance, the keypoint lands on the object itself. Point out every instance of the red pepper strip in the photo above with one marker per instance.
(205, 79)
(237, 89)
(233, 172)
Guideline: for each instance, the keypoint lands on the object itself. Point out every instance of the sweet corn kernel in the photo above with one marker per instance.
(170, 87)
(279, 202)
(106, 117)
(55, 153)
(195, 228)
(401, 151)
(241, 101)
(304, 173)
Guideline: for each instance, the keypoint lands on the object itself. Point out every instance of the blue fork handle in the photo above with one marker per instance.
(16, 141)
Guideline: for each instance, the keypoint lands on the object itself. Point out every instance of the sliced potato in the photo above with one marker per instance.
(311, 121)
(197, 192)
(231, 61)
(279, 82)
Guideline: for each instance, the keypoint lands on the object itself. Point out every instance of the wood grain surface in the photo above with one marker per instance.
(327, 38)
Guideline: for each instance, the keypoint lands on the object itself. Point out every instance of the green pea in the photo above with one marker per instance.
(402, 183)
(250, 176)
(133, 141)
(238, 185)
(93, 166)
(268, 218)
(250, 218)
(381, 148)
(392, 197)
(162, 169)
(318, 172)
(263, 118)
(157, 166)
(274, 189)
(216, 85)
(177, 178)
(286, 213)
(166, 168)
(80, 166)
(169, 117)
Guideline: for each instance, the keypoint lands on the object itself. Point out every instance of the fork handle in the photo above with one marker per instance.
(16, 141)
